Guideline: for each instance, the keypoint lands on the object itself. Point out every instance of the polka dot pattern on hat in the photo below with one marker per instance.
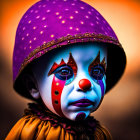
(49, 20)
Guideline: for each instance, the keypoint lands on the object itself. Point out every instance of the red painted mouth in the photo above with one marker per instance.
(82, 103)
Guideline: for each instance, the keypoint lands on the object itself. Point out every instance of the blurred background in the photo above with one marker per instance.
(120, 110)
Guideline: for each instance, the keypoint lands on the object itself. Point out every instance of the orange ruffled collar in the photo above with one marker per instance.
(88, 125)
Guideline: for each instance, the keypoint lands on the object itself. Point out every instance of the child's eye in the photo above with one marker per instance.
(97, 72)
(64, 73)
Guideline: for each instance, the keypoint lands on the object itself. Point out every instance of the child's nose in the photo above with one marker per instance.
(84, 84)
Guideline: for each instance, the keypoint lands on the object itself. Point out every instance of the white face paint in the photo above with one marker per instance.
(65, 96)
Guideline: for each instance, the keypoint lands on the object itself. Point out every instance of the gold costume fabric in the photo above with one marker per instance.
(35, 125)
(30, 128)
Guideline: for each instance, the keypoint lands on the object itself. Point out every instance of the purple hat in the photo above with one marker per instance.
(49, 24)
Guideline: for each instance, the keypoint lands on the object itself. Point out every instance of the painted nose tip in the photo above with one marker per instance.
(84, 84)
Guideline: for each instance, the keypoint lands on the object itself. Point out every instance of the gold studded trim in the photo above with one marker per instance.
(69, 39)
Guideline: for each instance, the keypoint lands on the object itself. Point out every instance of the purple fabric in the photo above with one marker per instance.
(48, 20)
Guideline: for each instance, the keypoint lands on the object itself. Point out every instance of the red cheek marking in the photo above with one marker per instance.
(57, 88)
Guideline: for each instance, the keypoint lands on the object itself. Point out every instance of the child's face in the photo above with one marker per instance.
(73, 87)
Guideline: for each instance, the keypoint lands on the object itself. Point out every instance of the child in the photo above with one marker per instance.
(66, 57)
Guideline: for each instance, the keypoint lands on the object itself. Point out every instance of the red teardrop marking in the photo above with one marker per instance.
(84, 84)
(57, 88)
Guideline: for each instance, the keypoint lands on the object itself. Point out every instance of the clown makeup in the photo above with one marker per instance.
(97, 71)
(71, 64)
(73, 81)
(63, 75)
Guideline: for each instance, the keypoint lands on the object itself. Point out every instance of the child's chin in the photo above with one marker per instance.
(78, 116)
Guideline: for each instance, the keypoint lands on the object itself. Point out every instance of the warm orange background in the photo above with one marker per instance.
(120, 110)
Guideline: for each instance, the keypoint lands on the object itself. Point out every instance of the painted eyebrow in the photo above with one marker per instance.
(96, 62)
(71, 62)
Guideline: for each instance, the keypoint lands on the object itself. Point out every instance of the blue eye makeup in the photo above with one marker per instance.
(64, 73)
(97, 69)
(97, 72)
